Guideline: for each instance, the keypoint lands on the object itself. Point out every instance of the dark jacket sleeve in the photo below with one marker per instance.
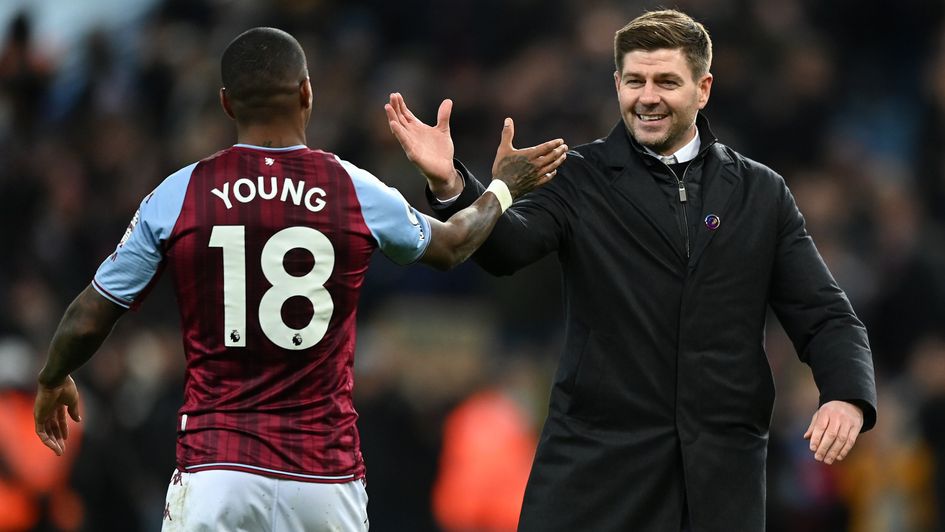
(531, 228)
(818, 317)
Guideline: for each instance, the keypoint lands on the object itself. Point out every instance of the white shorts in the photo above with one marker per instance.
(224, 501)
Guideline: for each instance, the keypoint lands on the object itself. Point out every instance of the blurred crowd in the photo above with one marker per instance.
(846, 99)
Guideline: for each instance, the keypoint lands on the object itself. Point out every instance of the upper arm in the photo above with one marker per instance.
(804, 294)
(402, 233)
(124, 276)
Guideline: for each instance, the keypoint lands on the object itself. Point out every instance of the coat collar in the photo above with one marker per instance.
(630, 166)
(619, 144)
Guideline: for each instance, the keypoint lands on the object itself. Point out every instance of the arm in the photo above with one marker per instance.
(827, 335)
(527, 232)
(85, 325)
(516, 172)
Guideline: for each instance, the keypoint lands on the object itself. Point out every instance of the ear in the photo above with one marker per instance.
(225, 103)
(306, 95)
(617, 81)
(704, 87)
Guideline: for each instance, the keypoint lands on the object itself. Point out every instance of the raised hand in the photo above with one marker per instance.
(528, 168)
(49, 413)
(430, 148)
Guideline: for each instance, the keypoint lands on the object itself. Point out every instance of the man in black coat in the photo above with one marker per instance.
(672, 247)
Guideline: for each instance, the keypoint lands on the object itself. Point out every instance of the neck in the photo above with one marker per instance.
(270, 135)
(693, 131)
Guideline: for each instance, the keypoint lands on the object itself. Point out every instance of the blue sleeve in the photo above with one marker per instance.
(124, 275)
(401, 232)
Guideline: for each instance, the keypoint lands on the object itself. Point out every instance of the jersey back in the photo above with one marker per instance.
(268, 252)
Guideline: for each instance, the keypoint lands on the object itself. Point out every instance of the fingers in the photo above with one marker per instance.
(394, 113)
(833, 440)
(545, 178)
(397, 110)
(402, 107)
(551, 156)
(443, 115)
(508, 132)
(817, 428)
(48, 441)
(544, 147)
(833, 431)
(48, 432)
(851, 439)
(846, 436)
(55, 432)
(552, 167)
(391, 114)
(810, 430)
(401, 134)
(61, 422)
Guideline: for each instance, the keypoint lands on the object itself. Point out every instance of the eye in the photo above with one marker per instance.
(670, 83)
(633, 82)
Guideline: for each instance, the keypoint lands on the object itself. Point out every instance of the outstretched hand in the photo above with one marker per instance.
(430, 148)
(833, 430)
(49, 413)
(525, 169)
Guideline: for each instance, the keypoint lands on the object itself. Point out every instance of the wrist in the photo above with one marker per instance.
(447, 189)
(501, 192)
(48, 380)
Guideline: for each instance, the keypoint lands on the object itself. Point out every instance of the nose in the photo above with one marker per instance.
(649, 95)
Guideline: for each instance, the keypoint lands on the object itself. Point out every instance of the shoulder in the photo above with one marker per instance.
(173, 187)
(582, 163)
(747, 168)
(587, 154)
(355, 172)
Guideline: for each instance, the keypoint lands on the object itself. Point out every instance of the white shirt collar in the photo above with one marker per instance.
(684, 154)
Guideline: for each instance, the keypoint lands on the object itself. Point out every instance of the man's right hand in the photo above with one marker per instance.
(430, 148)
(528, 168)
(49, 413)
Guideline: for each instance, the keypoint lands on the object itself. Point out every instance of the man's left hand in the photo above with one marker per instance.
(833, 430)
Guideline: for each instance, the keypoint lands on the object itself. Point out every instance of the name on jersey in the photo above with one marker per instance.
(245, 190)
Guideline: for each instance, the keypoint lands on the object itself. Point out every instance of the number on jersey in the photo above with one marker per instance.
(284, 285)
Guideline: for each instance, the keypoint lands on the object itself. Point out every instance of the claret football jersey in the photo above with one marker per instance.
(267, 249)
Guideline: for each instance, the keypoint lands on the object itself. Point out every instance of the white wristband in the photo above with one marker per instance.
(501, 191)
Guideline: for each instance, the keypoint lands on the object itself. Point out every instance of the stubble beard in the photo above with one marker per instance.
(667, 141)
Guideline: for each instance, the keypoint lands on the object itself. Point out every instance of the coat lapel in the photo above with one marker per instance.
(719, 180)
(636, 186)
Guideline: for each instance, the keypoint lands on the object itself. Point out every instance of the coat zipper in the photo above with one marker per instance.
(683, 198)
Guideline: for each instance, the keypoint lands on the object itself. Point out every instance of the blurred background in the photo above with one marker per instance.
(101, 99)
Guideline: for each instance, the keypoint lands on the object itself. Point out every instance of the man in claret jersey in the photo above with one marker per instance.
(267, 243)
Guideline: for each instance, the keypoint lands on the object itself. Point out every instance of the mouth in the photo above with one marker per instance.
(650, 117)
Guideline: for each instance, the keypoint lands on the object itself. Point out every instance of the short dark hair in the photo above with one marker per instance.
(666, 29)
(261, 68)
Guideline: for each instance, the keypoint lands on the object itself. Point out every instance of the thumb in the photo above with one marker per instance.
(443, 114)
(73, 410)
(508, 131)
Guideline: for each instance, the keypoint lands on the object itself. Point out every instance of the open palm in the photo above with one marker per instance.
(430, 148)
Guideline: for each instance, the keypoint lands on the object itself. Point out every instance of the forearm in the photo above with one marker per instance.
(462, 234)
(85, 325)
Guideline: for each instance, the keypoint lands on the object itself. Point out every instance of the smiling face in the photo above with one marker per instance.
(659, 98)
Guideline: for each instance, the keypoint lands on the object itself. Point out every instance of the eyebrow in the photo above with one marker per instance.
(658, 75)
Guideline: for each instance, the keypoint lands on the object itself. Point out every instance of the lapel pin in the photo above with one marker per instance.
(712, 222)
